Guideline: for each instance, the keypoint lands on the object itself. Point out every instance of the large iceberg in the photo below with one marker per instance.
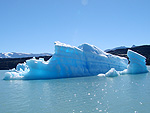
(68, 61)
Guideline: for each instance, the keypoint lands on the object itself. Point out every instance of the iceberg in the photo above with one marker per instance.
(137, 63)
(68, 61)
(112, 73)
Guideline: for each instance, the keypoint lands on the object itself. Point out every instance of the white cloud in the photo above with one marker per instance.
(84, 2)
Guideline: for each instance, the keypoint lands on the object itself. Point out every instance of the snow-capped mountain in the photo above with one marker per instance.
(121, 47)
(22, 55)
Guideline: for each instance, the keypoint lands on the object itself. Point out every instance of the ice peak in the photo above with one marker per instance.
(57, 43)
(91, 48)
(135, 54)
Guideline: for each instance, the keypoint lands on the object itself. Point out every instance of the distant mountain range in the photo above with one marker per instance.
(121, 47)
(143, 50)
(22, 55)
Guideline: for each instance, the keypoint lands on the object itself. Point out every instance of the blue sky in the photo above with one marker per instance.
(32, 26)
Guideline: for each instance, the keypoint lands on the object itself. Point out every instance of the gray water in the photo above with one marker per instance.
(122, 94)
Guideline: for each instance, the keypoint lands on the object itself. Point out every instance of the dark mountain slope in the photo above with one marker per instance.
(10, 63)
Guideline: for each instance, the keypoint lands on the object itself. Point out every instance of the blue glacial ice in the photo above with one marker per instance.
(68, 61)
(137, 63)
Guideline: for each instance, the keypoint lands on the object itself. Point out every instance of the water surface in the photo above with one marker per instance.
(122, 94)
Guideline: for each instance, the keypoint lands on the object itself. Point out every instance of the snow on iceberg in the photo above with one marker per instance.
(137, 63)
(69, 61)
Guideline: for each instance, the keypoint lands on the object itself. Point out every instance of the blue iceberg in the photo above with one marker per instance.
(137, 63)
(68, 61)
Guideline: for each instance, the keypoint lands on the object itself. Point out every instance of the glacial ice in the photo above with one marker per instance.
(68, 61)
(137, 63)
(22, 66)
(112, 73)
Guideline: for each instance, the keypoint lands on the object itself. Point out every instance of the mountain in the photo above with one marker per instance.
(22, 55)
(143, 50)
(11, 59)
(10, 63)
(121, 47)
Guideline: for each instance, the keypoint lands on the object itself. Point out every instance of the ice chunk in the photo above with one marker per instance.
(69, 61)
(21, 66)
(112, 73)
(13, 76)
(137, 63)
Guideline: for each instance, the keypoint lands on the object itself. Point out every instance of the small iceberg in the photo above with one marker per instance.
(112, 73)
(137, 63)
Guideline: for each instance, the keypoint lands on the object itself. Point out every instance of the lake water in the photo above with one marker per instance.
(122, 94)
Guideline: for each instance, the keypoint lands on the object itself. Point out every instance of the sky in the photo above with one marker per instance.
(32, 26)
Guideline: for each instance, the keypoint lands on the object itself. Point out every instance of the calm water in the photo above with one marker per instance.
(122, 94)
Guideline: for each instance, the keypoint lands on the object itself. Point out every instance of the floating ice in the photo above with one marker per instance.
(137, 63)
(112, 73)
(69, 61)
(21, 66)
